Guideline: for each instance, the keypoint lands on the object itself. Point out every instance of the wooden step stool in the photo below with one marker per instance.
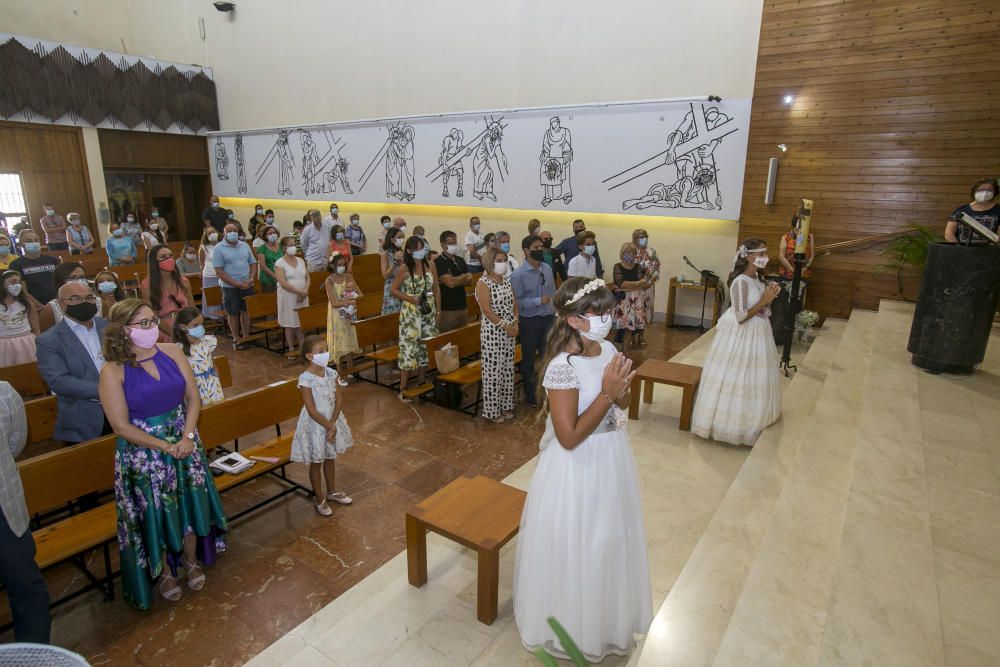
(667, 372)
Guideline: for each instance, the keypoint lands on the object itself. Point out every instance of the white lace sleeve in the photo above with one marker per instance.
(740, 295)
(560, 375)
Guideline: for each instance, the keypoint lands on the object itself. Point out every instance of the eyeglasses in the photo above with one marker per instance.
(146, 324)
(77, 299)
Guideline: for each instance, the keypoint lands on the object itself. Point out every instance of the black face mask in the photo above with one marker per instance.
(547, 243)
(82, 312)
(537, 255)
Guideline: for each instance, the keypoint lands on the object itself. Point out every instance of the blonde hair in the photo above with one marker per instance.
(490, 258)
(117, 346)
(627, 246)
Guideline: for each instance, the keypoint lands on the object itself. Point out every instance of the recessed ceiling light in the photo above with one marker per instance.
(789, 99)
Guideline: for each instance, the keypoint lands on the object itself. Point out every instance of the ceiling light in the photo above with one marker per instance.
(788, 99)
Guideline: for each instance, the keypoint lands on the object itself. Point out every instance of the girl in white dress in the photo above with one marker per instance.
(740, 391)
(322, 431)
(581, 551)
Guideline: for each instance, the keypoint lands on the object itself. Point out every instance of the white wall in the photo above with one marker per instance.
(305, 61)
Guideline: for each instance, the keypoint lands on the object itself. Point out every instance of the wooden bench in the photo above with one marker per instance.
(262, 310)
(477, 512)
(25, 379)
(94, 263)
(666, 372)
(58, 478)
(376, 331)
(41, 413)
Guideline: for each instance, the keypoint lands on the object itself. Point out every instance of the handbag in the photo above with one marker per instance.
(447, 359)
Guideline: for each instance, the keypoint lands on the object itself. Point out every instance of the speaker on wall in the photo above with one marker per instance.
(772, 177)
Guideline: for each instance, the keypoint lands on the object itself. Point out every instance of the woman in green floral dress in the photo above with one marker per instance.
(169, 511)
(416, 286)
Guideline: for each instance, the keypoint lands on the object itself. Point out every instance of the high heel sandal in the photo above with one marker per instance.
(169, 588)
(195, 575)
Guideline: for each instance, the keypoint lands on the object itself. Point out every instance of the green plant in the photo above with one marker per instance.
(572, 650)
(907, 250)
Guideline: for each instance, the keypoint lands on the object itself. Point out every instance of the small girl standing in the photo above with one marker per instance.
(322, 431)
(189, 333)
(740, 391)
(342, 293)
(18, 322)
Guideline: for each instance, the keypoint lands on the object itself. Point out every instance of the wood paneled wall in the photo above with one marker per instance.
(53, 168)
(149, 152)
(896, 114)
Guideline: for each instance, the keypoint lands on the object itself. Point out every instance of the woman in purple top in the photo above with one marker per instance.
(169, 511)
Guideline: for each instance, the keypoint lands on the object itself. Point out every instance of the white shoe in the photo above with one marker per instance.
(323, 508)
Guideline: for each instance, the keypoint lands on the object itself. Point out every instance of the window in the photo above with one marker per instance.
(12, 202)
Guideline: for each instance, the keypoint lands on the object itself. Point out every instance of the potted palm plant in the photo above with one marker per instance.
(907, 253)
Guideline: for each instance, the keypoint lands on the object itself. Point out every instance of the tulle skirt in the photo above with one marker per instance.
(740, 391)
(16, 350)
(581, 550)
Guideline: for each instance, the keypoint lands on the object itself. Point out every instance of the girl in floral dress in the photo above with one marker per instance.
(342, 293)
(322, 431)
(391, 259)
(169, 511)
(416, 286)
(646, 258)
(630, 310)
(189, 332)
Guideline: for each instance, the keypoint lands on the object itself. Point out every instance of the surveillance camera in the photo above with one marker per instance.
(225, 6)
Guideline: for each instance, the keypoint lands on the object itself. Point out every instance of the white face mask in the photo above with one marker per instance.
(399, 242)
(452, 249)
(984, 196)
(14, 289)
(341, 269)
(291, 250)
(761, 261)
(272, 238)
(500, 268)
(153, 226)
(321, 359)
(213, 237)
(260, 211)
(599, 327)
(190, 256)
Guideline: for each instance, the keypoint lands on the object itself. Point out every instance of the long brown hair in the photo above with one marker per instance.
(117, 346)
(743, 262)
(562, 336)
(156, 282)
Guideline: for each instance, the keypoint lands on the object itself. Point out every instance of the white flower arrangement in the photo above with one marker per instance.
(804, 322)
(592, 286)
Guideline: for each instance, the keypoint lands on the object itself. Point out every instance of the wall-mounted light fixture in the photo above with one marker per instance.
(788, 99)
(783, 148)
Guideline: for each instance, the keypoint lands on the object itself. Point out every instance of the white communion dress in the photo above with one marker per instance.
(740, 390)
(581, 550)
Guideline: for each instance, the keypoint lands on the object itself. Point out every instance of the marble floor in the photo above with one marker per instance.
(285, 562)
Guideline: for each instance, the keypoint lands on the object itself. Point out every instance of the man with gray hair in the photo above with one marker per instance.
(26, 592)
(315, 241)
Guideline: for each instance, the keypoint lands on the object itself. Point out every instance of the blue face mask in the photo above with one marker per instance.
(119, 232)
(231, 216)
(505, 247)
(4, 249)
(590, 249)
(340, 236)
(628, 259)
(106, 287)
(32, 247)
(419, 254)
(196, 332)
(232, 237)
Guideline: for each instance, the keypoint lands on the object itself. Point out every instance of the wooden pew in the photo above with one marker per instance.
(93, 263)
(54, 479)
(376, 331)
(25, 379)
(370, 282)
(41, 412)
(260, 307)
(317, 288)
(367, 264)
(370, 305)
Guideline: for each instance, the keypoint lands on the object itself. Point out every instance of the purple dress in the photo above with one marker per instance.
(159, 498)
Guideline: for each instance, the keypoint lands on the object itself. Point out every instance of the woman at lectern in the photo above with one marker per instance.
(984, 208)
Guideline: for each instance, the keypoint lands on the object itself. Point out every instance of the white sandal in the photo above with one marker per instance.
(323, 508)
(171, 593)
(340, 497)
(195, 575)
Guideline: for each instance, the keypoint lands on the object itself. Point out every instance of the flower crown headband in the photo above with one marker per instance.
(592, 286)
(742, 253)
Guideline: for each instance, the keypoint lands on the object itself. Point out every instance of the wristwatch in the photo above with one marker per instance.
(189, 436)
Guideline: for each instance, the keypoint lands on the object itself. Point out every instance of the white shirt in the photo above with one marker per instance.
(315, 242)
(474, 239)
(330, 222)
(57, 312)
(511, 264)
(90, 340)
(583, 265)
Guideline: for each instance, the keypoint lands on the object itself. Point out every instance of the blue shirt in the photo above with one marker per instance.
(234, 260)
(118, 247)
(530, 285)
(569, 249)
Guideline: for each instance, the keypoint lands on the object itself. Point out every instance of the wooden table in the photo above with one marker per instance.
(672, 299)
(666, 372)
(477, 512)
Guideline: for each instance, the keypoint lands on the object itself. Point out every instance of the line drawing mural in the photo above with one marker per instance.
(691, 151)
(489, 150)
(554, 163)
(286, 163)
(450, 161)
(310, 160)
(337, 173)
(397, 153)
(221, 160)
(241, 168)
